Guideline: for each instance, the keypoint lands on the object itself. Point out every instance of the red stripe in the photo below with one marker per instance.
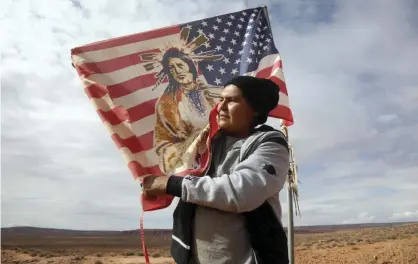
(113, 64)
(283, 112)
(117, 115)
(115, 42)
(266, 73)
(142, 110)
(135, 144)
(138, 170)
(114, 116)
(132, 85)
(280, 83)
(96, 91)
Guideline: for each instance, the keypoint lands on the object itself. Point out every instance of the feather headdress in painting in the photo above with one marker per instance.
(183, 47)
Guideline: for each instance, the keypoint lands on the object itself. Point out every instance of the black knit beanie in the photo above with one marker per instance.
(261, 94)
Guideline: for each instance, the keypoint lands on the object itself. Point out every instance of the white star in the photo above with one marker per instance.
(238, 61)
(244, 13)
(204, 23)
(215, 27)
(252, 51)
(260, 44)
(242, 19)
(226, 31)
(218, 20)
(234, 71)
(249, 60)
(217, 81)
(189, 27)
(207, 45)
(222, 39)
(221, 70)
(256, 36)
(249, 27)
(230, 51)
(226, 60)
(241, 52)
(233, 42)
(265, 27)
(258, 29)
(231, 17)
(259, 52)
(253, 14)
(200, 31)
(229, 23)
(265, 48)
(211, 36)
(236, 33)
(218, 48)
(239, 26)
(255, 43)
(209, 67)
(259, 22)
(244, 43)
(268, 40)
(262, 36)
(247, 34)
(251, 20)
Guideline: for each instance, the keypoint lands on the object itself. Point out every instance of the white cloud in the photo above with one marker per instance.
(351, 83)
(362, 217)
(404, 216)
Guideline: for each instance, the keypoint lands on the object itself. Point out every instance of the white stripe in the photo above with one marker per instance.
(140, 96)
(283, 99)
(123, 130)
(104, 103)
(121, 75)
(268, 61)
(146, 158)
(180, 242)
(144, 125)
(112, 53)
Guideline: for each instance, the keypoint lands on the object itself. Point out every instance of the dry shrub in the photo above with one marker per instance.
(156, 255)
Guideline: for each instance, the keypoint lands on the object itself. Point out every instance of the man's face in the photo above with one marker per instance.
(235, 114)
(180, 71)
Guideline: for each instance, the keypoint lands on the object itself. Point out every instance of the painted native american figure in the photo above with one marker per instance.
(182, 111)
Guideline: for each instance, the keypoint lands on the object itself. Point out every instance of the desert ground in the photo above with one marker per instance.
(379, 245)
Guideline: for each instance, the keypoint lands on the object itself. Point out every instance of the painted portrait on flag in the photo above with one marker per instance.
(182, 111)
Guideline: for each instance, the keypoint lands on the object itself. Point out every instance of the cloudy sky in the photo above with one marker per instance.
(353, 89)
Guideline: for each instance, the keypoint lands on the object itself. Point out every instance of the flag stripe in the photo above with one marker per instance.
(112, 65)
(136, 84)
(138, 171)
(95, 91)
(113, 53)
(142, 110)
(281, 111)
(135, 144)
(125, 42)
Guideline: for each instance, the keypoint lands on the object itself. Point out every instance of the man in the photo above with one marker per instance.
(233, 213)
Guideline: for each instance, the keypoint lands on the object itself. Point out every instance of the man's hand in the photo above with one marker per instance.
(154, 186)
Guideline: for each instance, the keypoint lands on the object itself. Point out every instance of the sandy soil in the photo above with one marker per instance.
(369, 246)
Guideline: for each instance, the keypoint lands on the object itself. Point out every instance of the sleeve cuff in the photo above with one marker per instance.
(174, 184)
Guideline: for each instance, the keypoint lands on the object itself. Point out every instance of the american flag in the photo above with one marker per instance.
(126, 77)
